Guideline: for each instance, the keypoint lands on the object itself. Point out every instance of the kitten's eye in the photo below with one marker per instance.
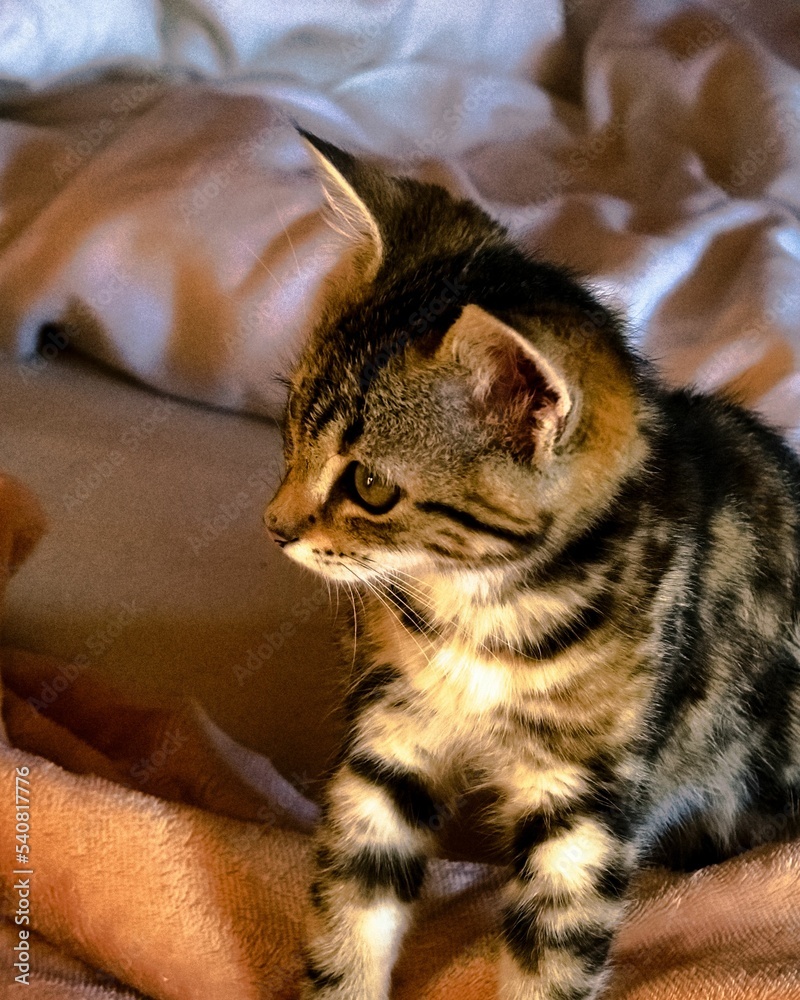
(372, 490)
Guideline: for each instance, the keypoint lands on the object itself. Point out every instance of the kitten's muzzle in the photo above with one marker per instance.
(279, 533)
(290, 513)
(278, 538)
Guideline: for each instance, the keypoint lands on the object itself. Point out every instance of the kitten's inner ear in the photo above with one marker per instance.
(523, 399)
(348, 214)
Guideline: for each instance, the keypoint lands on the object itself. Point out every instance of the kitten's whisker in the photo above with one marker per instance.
(349, 587)
(391, 608)
(457, 627)
(404, 606)
(413, 586)
(257, 257)
(577, 621)
(286, 234)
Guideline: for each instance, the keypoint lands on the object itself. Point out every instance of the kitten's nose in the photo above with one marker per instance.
(278, 532)
(288, 514)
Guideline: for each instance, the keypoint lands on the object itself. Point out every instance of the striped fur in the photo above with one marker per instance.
(585, 596)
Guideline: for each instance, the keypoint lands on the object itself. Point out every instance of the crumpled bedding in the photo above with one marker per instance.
(168, 221)
(158, 213)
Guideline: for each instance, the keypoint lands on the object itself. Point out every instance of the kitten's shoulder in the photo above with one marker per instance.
(724, 450)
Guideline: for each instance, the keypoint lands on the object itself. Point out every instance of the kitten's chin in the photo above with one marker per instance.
(331, 567)
(349, 570)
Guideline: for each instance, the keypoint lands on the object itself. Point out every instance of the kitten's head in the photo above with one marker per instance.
(460, 406)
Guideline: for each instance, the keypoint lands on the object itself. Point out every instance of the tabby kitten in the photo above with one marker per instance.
(580, 590)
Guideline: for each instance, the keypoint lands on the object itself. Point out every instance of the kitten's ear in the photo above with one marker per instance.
(524, 401)
(349, 186)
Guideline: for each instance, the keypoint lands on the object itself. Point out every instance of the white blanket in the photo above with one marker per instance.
(167, 219)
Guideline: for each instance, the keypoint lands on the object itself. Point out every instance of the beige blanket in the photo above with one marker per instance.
(165, 861)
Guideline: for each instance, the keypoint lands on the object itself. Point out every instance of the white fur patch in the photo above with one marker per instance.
(367, 816)
(530, 788)
(570, 861)
(362, 940)
(380, 924)
(475, 683)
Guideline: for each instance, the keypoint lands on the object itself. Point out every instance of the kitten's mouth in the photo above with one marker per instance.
(345, 567)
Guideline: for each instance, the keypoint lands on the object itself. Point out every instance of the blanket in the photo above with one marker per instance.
(158, 214)
(145, 854)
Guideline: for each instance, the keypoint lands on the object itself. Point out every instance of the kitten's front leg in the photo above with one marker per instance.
(563, 907)
(371, 856)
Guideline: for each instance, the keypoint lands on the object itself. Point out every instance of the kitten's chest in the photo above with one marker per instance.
(459, 693)
(457, 680)
(448, 668)
(467, 699)
(458, 706)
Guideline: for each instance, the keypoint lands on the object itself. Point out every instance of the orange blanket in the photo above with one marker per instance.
(165, 861)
